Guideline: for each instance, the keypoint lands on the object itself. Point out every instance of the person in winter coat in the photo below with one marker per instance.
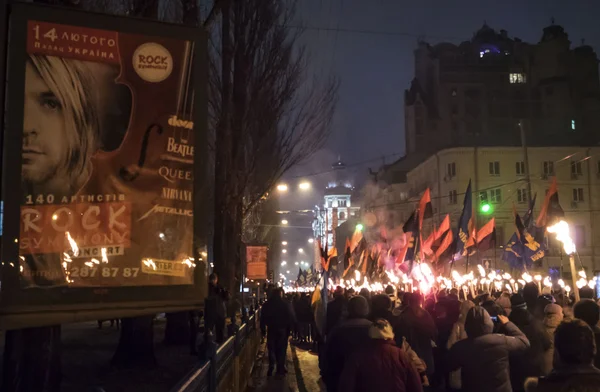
(381, 308)
(483, 356)
(530, 295)
(277, 320)
(504, 302)
(589, 311)
(528, 363)
(457, 334)
(553, 317)
(216, 308)
(380, 365)
(573, 361)
(417, 326)
(346, 339)
(335, 309)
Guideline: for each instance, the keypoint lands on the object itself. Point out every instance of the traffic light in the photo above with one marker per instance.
(359, 227)
(485, 208)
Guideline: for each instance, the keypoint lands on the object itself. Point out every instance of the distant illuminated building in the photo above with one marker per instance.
(337, 206)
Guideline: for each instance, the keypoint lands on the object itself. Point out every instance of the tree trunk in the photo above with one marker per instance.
(178, 331)
(32, 360)
(136, 344)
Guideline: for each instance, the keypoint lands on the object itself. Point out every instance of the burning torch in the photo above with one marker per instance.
(561, 229)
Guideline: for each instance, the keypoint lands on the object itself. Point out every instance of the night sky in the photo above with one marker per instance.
(368, 45)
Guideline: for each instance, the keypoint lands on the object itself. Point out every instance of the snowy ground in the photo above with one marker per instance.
(303, 373)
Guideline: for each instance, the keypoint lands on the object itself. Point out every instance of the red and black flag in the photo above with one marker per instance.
(486, 236)
(425, 210)
(446, 248)
(412, 227)
(551, 209)
(440, 232)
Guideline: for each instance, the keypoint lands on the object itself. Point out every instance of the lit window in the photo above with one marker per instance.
(517, 78)
(573, 125)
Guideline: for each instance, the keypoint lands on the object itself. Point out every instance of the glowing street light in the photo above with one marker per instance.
(300, 250)
(359, 227)
(284, 222)
(284, 251)
(304, 186)
(310, 240)
(296, 263)
(287, 272)
(282, 188)
(283, 263)
(284, 243)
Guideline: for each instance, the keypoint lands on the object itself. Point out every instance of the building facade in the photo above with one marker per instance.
(498, 177)
(337, 207)
(478, 92)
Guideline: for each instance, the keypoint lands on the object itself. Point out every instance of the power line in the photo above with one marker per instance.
(350, 165)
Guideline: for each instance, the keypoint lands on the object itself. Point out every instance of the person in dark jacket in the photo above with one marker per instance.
(530, 295)
(529, 363)
(588, 311)
(344, 340)
(418, 327)
(335, 309)
(483, 356)
(277, 321)
(216, 308)
(575, 349)
(380, 365)
(381, 308)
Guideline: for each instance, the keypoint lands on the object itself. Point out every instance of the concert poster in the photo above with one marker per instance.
(107, 158)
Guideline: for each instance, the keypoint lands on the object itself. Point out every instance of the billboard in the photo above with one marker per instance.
(256, 261)
(107, 121)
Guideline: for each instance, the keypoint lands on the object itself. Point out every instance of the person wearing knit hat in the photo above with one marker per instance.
(517, 302)
(553, 316)
(379, 365)
(504, 302)
(589, 311)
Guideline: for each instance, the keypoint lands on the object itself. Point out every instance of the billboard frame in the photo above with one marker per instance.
(22, 308)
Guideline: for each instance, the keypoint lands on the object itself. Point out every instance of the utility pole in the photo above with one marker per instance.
(525, 161)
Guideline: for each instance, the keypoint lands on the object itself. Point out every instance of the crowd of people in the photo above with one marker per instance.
(395, 341)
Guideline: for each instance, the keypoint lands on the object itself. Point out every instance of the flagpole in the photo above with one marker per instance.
(467, 263)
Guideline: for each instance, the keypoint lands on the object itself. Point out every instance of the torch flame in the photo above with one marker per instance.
(561, 229)
(73, 244)
(481, 270)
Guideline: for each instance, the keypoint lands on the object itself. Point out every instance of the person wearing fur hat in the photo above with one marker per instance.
(589, 311)
(380, 365)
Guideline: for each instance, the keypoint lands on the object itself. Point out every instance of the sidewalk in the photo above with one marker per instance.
(303, 372)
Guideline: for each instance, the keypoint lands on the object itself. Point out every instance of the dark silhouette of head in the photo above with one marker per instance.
(588, 311)
(574, 344)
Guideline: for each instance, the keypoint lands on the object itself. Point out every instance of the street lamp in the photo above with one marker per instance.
(301, 250)
(304, 186)
(284, 222)
(310, 240)
(284, 251)
(287, 272)
(282, 188)
(283, 263)
(296, 263)
(284, 243)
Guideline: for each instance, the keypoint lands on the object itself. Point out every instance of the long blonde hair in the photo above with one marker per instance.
(75, 86)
